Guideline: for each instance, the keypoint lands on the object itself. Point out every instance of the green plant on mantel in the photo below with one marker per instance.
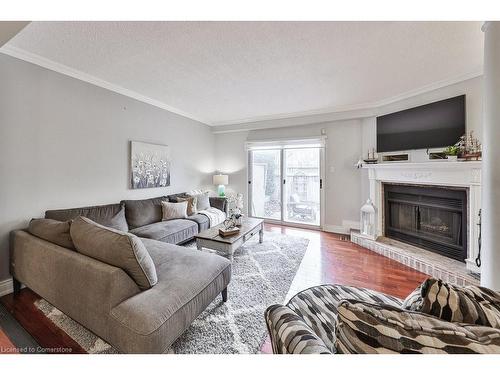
(452, 150)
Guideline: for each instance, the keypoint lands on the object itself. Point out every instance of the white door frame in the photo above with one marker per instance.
(282, 173)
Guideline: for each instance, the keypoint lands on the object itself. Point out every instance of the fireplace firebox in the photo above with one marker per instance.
(432, 218)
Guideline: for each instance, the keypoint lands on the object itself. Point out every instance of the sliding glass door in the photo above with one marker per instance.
(285, 184)
(302, 185)
(266, 184)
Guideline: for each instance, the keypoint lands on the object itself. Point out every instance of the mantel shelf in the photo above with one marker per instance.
(425, 165)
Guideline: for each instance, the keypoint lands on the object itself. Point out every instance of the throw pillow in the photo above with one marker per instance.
(119, 221)
(467, 304)
(119, 249)
(191, 205)
(174, 210)
(366, 328)
(203, 202)
(54, 231)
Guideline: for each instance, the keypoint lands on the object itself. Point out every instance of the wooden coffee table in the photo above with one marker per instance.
(211, 239)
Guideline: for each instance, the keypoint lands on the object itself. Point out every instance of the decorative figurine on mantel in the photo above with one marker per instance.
(470, 147)
(372, 157)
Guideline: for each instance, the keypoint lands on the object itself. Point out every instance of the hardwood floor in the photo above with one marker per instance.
(329, 259)
(46, 333)
(6, 346)
(333, 259)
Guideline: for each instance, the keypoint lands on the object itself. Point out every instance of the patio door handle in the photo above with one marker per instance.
(284, 181)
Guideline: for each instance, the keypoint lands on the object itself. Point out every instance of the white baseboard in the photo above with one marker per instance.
(335, 229)
(350, 224)
(6, 287)
(345, 228)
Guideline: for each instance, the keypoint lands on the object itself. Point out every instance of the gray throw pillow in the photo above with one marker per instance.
(203, 202)
(119, 249)
(119, 221)
(54, 231)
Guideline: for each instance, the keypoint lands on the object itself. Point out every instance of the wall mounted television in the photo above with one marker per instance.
(433, 125)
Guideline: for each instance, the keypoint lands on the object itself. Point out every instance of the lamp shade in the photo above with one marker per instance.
(221, 179)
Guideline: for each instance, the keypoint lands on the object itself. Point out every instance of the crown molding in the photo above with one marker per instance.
(334, 114)
(255, 123)
(21, 54)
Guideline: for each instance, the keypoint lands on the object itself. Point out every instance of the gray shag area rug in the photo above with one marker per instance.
(261, 276)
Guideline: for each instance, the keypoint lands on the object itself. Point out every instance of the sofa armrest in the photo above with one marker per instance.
(219, 203)
(290, 334)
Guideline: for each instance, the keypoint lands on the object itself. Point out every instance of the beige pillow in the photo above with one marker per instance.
(119, 249)
(53, 231)
(174, 210)
(191, 206)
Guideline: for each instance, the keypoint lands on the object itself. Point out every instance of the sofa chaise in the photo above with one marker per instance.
(103, 294)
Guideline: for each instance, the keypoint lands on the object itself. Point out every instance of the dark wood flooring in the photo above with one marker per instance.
(6, 346)
(329, 259)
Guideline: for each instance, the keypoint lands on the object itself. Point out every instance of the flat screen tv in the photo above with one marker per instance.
(433, 125)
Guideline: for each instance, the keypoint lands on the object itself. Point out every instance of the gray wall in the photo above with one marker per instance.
(342, 179)
(65, 143)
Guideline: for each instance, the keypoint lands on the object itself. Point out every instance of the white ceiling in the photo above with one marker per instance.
(232, 72)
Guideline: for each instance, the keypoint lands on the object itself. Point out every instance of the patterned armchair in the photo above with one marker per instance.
(435, 318)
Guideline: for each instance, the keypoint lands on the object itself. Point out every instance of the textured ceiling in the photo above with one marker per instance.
(229, 72)
(9, 29)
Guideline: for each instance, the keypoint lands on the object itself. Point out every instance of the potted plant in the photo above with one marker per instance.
(452, 152)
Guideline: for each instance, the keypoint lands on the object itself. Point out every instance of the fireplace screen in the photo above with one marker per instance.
(432, 218)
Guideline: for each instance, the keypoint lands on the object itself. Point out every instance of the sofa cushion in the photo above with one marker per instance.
(143, 211)
(202, 221)
(171, 231)
(53, 231)
(468, 304)
(110, 215)
(119, 249)
(152, 320)
(365, 328)
(171, 210)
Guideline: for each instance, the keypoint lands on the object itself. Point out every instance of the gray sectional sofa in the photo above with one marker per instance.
(105, 298)
(143, 218)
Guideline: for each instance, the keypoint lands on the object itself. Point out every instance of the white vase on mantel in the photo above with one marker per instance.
(452, 157)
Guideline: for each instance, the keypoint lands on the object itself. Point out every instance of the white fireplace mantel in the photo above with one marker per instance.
(437, 173)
